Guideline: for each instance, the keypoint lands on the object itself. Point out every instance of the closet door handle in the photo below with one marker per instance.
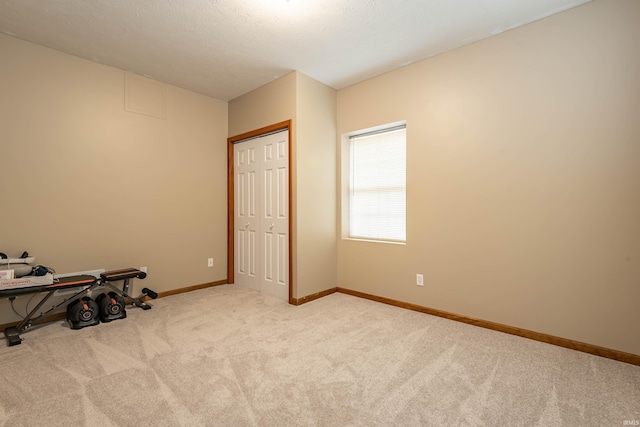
(271, 226)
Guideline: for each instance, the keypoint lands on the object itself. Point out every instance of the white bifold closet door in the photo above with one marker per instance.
(261, 198)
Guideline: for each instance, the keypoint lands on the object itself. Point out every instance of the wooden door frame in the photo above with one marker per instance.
(230, 198)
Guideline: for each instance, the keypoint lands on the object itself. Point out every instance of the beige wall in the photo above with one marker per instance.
(523, 178)
(312, 108)
(316, 186)
(88, 185)
(272, 103)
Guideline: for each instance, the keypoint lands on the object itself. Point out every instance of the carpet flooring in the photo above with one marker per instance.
(229, 356)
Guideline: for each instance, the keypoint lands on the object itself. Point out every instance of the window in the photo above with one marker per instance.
(377, 185)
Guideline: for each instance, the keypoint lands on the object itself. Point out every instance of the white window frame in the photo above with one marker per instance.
(347, 191)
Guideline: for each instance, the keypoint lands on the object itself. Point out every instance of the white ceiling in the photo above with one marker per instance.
(225, 48)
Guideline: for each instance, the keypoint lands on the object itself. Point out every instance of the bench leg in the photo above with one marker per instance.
(135, 301)
(13, 336)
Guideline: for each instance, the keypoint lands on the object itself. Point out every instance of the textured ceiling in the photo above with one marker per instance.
(225, 48)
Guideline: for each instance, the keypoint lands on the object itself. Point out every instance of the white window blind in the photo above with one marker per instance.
(377, 208)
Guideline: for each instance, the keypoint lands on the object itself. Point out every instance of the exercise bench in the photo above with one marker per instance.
(85, 283)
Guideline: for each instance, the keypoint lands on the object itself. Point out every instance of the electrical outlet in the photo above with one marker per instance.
(210, 262)
(143, 269)
(419, 280)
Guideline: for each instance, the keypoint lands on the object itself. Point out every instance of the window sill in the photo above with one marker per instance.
(390, 242)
